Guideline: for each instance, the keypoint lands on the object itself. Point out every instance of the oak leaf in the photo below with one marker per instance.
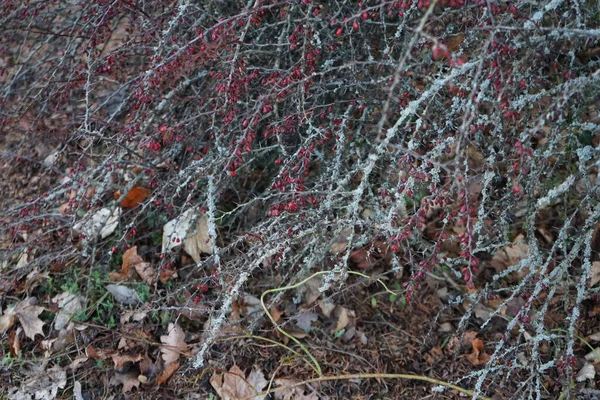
(174, 344)
(26, 312)
(233, 385)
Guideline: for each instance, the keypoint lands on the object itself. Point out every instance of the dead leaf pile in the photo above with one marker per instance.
(43, 384)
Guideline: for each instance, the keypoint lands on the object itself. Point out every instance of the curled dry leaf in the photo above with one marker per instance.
(130, 259)
(174, 344)
(190, 229)
(593, 356)
(77, 391)
(233, 385)
(341, 243)
(478, 356)
(26, 312)
(133, 262)
(167, 372)
(14, 344)
(250, 305)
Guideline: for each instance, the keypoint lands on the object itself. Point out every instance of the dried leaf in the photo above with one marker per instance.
(343, 318)
(167, 372)
(123, 361)
(130, 263)
(594, 274)
(79, 360)
(146, 272)
(233, 385)
(453, 42)
(123, 294)
(305, 319)
(176, 230)
(292, 391)
(478, 356)
(251, 305)
(27, 313)
(327, 308)
(511, 255)
(136, 195)
(14, 343)
(587, 372)
(593, 356)
(103, 223)
(312, 292)
(174, 344)
(128, 380)
(276, 313)
(341, 243)
(129, 315)
(69, 304)
(77, 391)
(45, 385)
(199, 241)
(594, 337)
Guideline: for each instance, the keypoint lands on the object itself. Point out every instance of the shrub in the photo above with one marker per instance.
(424, 134)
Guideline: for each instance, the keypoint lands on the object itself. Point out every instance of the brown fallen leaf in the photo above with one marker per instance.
(199, 241)
(129, 381)
(130, 259)
(26, 312)
(478, 356)
(511, 255)
(174, 344)
(311, 289)
(289, 389)
(14, 343)
(146, 272)
(123, 361)
(233, 385)
(594, 274)
(134, 197)
(167, 372)
(344, 317)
